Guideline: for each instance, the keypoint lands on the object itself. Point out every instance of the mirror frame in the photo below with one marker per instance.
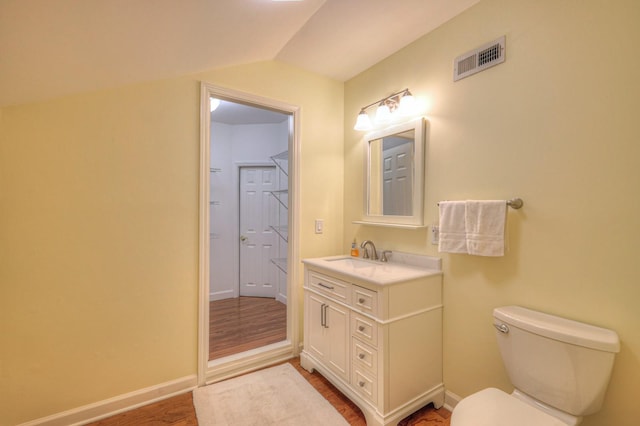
(416, 219)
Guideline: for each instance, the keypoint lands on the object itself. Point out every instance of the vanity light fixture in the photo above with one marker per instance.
(401, 101)
(214, 103)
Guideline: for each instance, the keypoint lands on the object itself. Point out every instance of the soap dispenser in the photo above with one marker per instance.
(355, 252)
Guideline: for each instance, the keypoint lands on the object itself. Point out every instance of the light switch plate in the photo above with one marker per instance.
(319, 226)
(435, 234)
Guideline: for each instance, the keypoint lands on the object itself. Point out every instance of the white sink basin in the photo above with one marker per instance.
(353, 262)
(380, 273)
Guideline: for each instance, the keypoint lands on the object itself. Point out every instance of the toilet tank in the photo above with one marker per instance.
(563, 363)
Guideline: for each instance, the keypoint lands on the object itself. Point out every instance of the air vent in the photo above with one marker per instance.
(479, 59)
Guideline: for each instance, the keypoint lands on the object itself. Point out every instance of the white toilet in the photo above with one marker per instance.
(560, 370)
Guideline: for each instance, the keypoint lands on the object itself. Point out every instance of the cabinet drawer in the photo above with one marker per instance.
(364, 356)
(364, 328)
(365, 300)
(365, 384)
(332, 287)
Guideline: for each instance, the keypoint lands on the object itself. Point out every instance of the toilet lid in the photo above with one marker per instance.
(493, 407)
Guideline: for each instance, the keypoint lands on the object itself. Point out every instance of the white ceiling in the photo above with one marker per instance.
(50, 48)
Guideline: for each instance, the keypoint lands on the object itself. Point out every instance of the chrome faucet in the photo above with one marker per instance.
(365, 255)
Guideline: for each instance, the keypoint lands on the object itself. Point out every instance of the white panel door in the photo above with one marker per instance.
(258, 276)
(397, 178)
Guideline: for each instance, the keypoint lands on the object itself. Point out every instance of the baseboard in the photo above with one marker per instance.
(116, 405)
(451, 400)
(221, 295)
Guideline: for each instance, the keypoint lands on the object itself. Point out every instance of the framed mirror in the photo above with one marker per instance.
(394, 175)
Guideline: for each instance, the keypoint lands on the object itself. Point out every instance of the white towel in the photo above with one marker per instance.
(453, 236)
(485, 225)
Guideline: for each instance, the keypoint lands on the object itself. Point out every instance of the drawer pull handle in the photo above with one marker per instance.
(361, 300)
(361, 384)
(361, 328)
(361, 356)
(328, 287)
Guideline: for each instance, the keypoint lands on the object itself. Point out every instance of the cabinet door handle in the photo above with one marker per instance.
(328, 287)
(361, 356)
(361, 384)
(361, 328)
(326, 324)
(323, 315)
(361, 300)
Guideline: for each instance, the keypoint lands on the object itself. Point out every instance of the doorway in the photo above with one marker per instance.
(245, 278)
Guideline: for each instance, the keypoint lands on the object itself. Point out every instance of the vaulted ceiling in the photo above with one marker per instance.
(50, 48)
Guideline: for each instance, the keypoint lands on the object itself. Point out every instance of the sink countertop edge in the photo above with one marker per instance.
(415, 271)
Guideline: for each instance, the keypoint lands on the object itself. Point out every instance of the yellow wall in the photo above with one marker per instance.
(99, 231)
(556, 124)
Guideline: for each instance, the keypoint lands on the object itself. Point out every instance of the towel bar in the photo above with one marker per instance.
(514, 203)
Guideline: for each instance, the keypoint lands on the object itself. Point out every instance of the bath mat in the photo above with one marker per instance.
(275, 396)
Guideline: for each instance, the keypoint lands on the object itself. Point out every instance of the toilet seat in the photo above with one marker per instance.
(493, 407)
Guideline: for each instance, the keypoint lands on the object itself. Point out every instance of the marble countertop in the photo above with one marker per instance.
(405, 268)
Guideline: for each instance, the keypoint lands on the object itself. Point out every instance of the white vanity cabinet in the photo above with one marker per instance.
(379, 343)
(328, 333)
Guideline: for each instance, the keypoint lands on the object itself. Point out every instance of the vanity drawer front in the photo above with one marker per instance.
(333, 287)
(365, 300)
(364, 328)
(365, 384)
(364, 356)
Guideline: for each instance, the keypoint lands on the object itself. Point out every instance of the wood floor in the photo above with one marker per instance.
(243, 323)
(175, 411)
(179, 410)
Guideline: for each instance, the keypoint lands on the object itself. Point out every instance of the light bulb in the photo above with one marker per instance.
(407, 104)
(215, 103)
(383, 113)
(363, 122)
